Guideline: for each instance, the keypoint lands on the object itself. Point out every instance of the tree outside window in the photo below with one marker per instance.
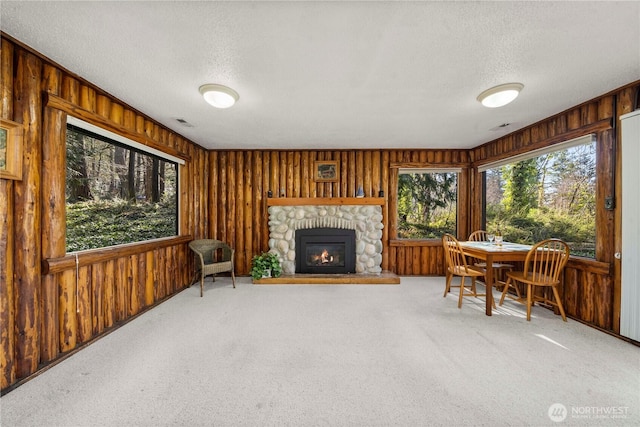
(552, 195)
(426, 204)
(116, 194)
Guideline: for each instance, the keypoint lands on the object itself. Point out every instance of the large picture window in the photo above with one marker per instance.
(427, 203)
(116, 193)
(545, 194)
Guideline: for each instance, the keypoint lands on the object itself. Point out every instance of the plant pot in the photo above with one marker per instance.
(265, 265)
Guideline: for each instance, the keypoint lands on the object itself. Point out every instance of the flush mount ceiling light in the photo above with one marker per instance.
(219, 96)
(500, 95)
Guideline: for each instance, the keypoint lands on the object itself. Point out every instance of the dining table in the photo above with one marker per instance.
(492, 252)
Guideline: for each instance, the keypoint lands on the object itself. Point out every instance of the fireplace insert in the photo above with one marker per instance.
(325, 250)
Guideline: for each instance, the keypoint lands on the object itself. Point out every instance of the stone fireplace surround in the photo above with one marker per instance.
(365, 219)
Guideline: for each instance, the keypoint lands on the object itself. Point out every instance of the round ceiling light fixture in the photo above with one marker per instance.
(219, 96)
(500, 95)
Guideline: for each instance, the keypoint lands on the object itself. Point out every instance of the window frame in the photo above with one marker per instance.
(140, 148)
(588, 138)
(574, 142)
(421, 168)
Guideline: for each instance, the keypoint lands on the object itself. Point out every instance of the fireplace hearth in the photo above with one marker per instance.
(325, 250)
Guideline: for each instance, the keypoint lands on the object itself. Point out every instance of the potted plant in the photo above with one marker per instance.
(265, 265)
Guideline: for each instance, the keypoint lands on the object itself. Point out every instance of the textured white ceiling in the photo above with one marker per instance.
(325, 75)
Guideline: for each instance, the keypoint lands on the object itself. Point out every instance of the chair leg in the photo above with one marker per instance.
(447, 286)
(461, 291)
(201, 285)
(493, 300)
(498, 275)
(233, 278)
(518, 294)
(505, 289)
(559, 303)
(529, 301)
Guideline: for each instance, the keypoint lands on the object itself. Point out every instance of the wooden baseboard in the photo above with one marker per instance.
(384, 278)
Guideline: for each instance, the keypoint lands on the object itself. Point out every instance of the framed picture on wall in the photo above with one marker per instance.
(10, 150)
(327, 171)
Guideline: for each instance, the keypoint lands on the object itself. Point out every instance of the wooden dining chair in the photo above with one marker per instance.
(542, 267)
(499, 268)
(457, 266)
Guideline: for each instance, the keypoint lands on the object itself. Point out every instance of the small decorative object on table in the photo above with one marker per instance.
(265, 265)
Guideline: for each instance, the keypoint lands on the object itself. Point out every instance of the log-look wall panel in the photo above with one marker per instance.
(96, 298)
(122, 289)
(247, 205)
(240, 180)
(257, 207)
(166, 270)
(27, 210)
(44, 315)
(7, 226)
(53, 213)
(384, 186)
(160, 289)
(133, 279)
(109, 283)
(83, 303)
(266, 188)
(67, 320)
(240, 207)
(213, 186)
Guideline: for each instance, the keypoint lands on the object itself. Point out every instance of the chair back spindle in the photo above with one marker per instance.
(542, 267)
(478, 236)
(456, 259)
(545, 261)
(457, 266)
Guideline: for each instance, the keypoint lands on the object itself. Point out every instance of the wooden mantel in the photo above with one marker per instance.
(322, 201)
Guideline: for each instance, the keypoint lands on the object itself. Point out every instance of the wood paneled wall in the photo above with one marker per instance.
(51, 303)
(239, 182)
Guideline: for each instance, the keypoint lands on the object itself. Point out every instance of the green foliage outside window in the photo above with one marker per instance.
(553, 195)
(426, 205)
(115, 194)
(98, 223)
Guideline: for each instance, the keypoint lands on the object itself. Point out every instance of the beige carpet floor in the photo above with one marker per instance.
(337, 355)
